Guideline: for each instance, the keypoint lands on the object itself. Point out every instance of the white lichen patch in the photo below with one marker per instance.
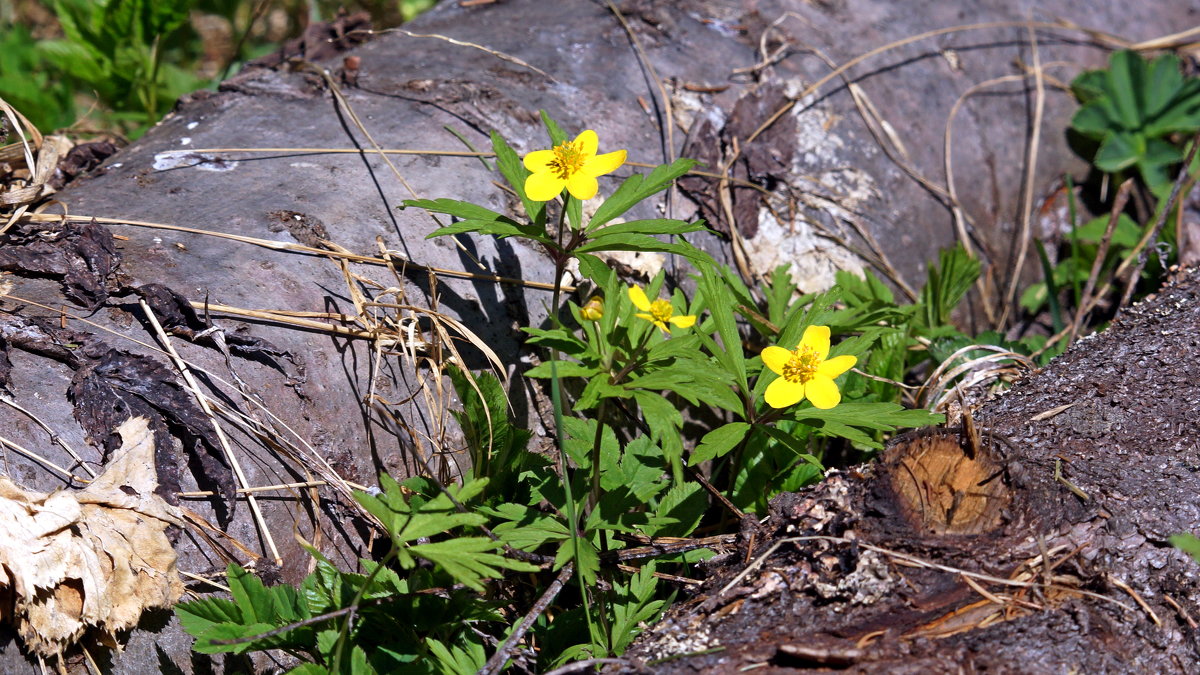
(813, 259)
(870, 581)
(820, 167)
(671, 640)
(179, 159)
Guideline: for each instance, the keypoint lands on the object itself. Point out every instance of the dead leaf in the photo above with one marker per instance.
(91, 559)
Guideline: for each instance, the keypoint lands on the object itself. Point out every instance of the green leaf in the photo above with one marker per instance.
(1127, 71)
(469, 559)
(557, 135)
(639, 242)
(1092, 121)
(1118, 151)
(515, 173)
(657, 226)
(565, 369)
(686, 504)
(494, 228)
(587, 564)
(1188, 543)
(197, 616)
(948, 282)
(637, 188)
(1162, 84)
(458, 209)
(718, 442)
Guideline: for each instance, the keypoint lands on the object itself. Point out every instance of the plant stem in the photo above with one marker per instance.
(560, 265)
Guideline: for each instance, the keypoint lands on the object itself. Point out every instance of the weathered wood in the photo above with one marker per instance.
(1045, 552)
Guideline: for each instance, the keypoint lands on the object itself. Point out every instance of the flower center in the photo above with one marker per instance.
(661, 310)
(802, 366)
(568, 159)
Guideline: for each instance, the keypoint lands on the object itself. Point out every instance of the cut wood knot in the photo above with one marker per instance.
(942, 483)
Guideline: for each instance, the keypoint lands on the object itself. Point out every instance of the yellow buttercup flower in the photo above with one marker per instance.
(659, 312)
(805, 372)
(570, 164)
(594, 309)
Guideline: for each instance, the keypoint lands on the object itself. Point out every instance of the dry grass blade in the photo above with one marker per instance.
(276, 245)
(461, 43)
(988, 366)
(202, 400)
(1039, 106)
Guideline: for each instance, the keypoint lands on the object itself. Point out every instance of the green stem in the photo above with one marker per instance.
(556, 402)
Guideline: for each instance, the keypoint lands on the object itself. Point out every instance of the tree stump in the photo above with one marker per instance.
(1039, 547)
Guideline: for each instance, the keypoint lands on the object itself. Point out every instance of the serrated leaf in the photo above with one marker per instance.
(227, 631)
(718, 442)
(469, 559)
(587, 563)
(197, 616)
(686, 504)
(1126, 71)
(494, 228)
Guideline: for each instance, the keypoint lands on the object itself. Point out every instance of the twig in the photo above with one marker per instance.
(585, 664)
(919, 562)
(496, 663)
(8, 400)
(1085, 300)
(1136, 598)
(498, 54)
(230, 456)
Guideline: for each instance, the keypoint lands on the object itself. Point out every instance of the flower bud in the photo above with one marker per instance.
(594, 309)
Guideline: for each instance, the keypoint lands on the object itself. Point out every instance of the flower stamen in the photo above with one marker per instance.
(661, 310)
(802, 366)
(568, 159)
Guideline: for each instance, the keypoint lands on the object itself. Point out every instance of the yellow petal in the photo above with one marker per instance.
(542, 187)
(539, 160)
(602, 164)
(831, 368)
(816, 338)
(588, 142)
(823, 392)
(665, 328)
(638, 296)
(776, 358)
(684, 321)
(646, 317)
(781, 393)
(582, 186)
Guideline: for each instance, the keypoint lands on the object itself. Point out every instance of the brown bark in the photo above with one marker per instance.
(1043, 548)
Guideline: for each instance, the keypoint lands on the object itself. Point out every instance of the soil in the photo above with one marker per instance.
(1041, 547)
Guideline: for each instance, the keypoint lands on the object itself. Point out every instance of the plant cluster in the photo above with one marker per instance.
(129, 60)
(687, 409)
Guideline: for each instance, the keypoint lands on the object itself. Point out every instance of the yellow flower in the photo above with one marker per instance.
(805, 372)
(659, 312)
(570, 164)
(594, 309)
